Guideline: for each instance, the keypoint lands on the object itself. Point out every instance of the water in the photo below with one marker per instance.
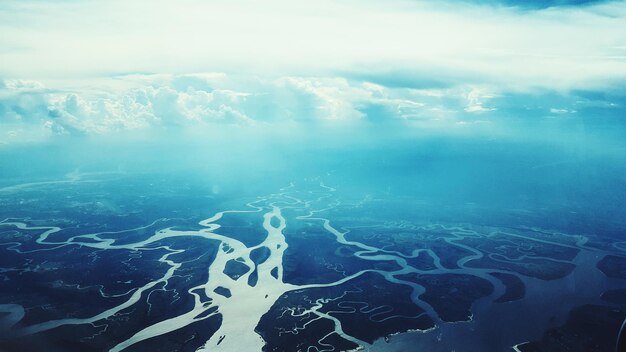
(403, 247)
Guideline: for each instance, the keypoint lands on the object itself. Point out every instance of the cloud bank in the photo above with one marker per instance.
(554, 47)
(31, 112)
(75, 68)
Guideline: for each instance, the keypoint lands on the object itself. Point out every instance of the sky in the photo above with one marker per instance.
(93, 68)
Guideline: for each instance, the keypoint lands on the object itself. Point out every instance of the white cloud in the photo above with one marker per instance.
(561, 48)
(561, 111)
(144, 101)
(475, 101)
(23, 85)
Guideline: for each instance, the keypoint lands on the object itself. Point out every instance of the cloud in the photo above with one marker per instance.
(140, 102)
(475, 101)
(539, 4)
(428, 44)
(31, 111)
(561, 111)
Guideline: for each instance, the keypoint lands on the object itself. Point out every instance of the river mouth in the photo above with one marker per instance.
(338, 255)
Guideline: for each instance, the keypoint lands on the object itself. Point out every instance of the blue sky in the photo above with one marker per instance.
(91, 67)
(539, 4)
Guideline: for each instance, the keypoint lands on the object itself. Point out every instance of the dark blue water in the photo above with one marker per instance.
(427, 244)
